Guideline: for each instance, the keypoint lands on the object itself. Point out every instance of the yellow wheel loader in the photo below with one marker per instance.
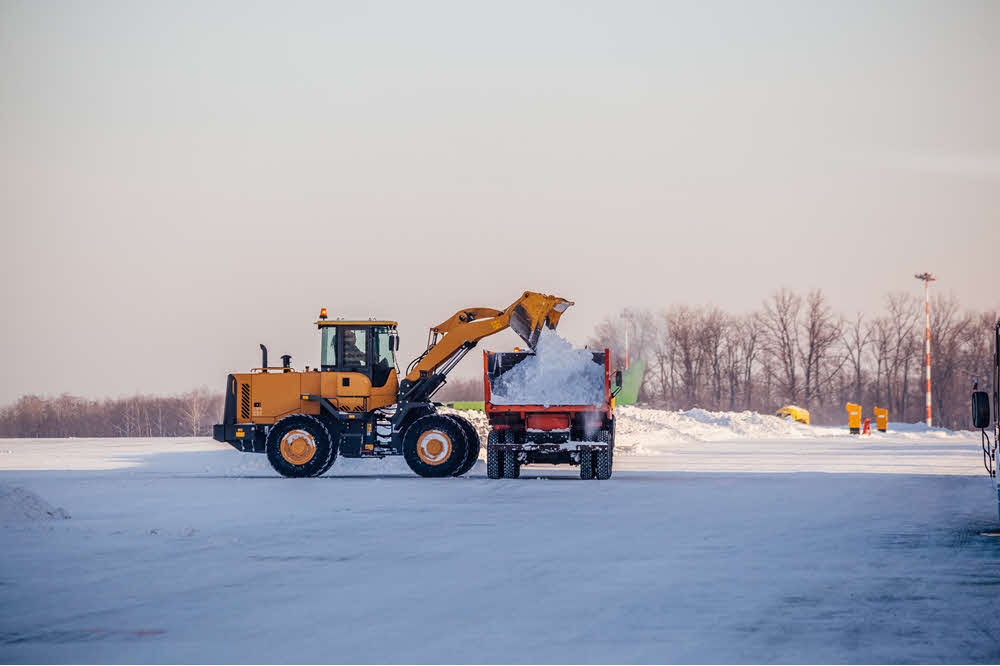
(354, 405)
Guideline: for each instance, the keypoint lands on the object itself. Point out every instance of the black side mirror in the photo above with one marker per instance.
(618, 378)
(980, 409)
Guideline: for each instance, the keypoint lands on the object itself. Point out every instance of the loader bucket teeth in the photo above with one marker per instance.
(534, 311)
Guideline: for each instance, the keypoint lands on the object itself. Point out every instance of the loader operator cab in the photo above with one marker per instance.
(366, 347)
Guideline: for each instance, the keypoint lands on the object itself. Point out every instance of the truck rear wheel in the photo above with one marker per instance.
(604, 458)
(602, 465)
(511, 465)
(300, 446)
(586, 464)
(472, 444)
(435, 446)
(494, 457)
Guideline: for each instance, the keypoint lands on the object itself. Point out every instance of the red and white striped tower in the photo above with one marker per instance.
(927, 278)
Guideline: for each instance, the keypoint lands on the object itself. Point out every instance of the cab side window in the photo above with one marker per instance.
(329, 350)
(355, 352)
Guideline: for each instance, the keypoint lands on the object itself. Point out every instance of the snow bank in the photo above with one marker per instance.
(700, 425)
(17, 503)
(654, 430)
(556, 374)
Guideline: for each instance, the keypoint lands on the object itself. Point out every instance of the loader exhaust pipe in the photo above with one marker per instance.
(286, 362)
(263, 357)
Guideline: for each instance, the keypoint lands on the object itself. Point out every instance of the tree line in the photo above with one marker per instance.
(796, 350)
(188, 415)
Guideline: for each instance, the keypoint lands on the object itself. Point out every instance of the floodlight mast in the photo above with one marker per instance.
(927, 278)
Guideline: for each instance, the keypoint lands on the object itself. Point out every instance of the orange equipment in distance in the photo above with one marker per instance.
(854, 418)
(881, 418)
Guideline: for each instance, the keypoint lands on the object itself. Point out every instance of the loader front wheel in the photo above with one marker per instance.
(472, 444)
(435, 446)
(299, 446)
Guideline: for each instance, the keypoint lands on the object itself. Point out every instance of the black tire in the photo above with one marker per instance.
(494, 457)
(434, 446)
(602, 465)
(316, 434)
(335, 436)
(511, 465)
(586, 464)
(472, 444)
(604, 458)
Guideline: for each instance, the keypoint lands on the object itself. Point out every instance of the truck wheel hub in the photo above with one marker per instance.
(298, 447)
(434, 447)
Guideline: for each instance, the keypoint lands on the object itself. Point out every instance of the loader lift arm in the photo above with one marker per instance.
(463, 330)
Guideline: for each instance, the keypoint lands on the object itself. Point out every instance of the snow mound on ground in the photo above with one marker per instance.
(652, 428)
(699, 425)
(17, 503)
(475, 417)
(556, 374)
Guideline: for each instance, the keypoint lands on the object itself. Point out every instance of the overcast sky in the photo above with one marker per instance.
(181, 181)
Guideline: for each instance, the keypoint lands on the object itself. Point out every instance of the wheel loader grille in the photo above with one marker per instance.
(245, 402)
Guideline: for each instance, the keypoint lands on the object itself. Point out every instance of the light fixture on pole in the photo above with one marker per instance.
(625, 315)
(927, 278)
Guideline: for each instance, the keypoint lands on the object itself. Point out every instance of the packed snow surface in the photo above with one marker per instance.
(556, 374)
(711, 544)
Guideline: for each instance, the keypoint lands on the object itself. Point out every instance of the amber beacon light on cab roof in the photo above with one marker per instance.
(356, 405)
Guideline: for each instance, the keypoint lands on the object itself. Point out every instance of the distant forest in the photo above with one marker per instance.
(793, 350)
(189, 415)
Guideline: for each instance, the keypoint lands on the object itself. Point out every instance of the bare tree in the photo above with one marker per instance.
(196, 404)
(856, 336)
(821, 329)
(781, 323)
(749, 331)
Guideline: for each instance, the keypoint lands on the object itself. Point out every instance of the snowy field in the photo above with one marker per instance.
(721, 538)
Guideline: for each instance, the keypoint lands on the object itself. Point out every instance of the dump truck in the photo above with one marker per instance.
(553, 434)
(355, 405)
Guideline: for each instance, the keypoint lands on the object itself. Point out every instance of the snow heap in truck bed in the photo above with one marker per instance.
(557, 374)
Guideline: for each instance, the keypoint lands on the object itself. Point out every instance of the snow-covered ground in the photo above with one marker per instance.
(721, 537)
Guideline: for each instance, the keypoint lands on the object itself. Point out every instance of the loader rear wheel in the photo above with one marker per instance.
(434, 446)
(511, 465)
(586, 464)
(472, 444)
(299, 446)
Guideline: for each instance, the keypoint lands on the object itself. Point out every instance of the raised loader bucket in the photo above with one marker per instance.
(532, 311)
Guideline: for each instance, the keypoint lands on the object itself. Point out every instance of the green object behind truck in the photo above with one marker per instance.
(631, 381)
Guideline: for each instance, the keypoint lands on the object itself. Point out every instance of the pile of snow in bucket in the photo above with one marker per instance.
(556, 374)
(18, 503)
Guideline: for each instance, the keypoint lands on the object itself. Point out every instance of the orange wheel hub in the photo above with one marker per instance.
(434, 447)
(298, 447)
